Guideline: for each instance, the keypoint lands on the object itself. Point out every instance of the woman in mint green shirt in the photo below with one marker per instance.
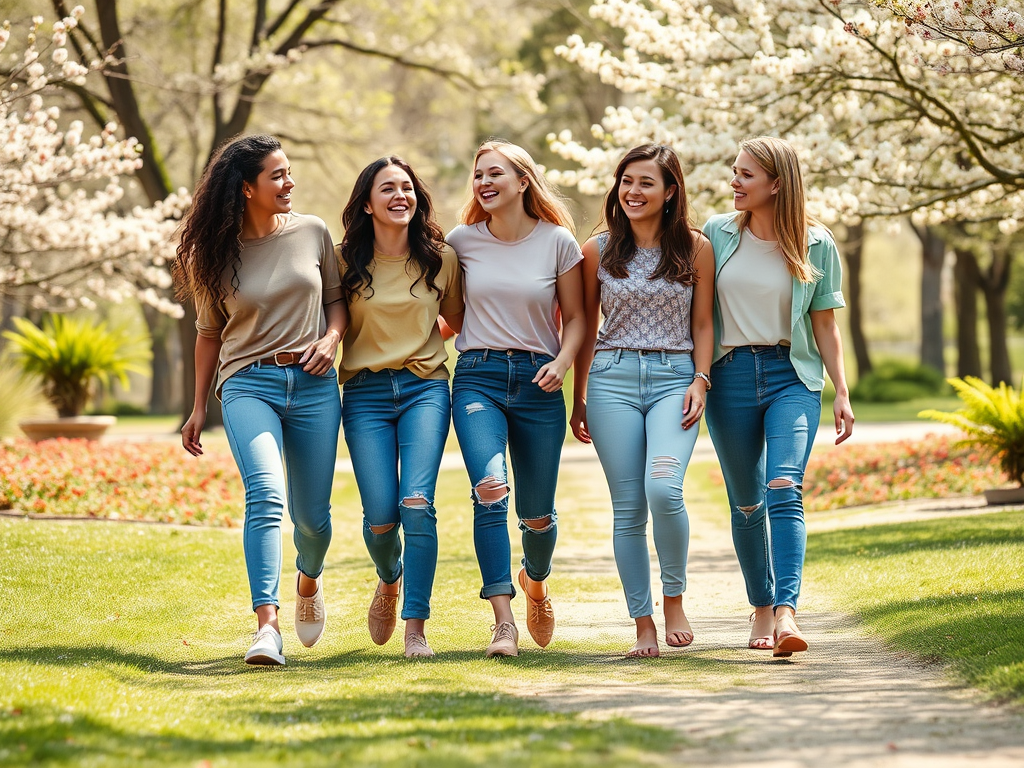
(777, 283)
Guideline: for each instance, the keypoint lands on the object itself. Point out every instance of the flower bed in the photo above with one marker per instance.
(935, 467)
(120, 481)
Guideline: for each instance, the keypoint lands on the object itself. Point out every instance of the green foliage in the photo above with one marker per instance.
(22, 399)
(992, 418)
(946, 590)
(897, 382)
(69, 353)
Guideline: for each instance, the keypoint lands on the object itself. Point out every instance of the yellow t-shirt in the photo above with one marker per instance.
(396, 326)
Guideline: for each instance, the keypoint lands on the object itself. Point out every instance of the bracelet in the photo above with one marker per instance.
(707, 379)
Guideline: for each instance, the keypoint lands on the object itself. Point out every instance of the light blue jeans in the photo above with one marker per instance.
(762, 419)
(283, 423)
(396, 425)
(495, 405)
(634, 414)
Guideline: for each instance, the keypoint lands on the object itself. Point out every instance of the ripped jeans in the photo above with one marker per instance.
(495, 405)
(762, 419)
(396, 425)
(634, 414)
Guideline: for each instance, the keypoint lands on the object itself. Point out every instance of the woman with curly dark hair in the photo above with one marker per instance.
(270, 316)
(397, 276)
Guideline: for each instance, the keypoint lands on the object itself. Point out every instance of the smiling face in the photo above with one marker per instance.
(392, 200)
(642, 191)
(753, 189)
(495, 182)
(271, 192)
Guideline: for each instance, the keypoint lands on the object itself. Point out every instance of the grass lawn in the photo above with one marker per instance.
(947, 590)
(121, 644)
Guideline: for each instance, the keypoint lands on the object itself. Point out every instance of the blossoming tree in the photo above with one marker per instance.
(881, 130)
(65, 238)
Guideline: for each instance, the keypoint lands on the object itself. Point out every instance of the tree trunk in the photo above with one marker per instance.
(853, 249)
(933, 254)
(161, 393)
(994, 282)
(967, 277)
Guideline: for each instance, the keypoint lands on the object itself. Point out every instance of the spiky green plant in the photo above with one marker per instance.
(22, 399)
(70, 353)
(992, 417)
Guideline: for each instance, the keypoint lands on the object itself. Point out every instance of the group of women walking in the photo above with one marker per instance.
(747, 306)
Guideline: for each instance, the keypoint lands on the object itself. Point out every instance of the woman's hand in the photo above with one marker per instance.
(191, 431)
(550, 376)
(319, 356)
(693, 404)
(578, 422)
(843, 412)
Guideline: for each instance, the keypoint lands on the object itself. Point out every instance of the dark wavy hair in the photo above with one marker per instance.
(426, 238)
(678, 244)
(210, 233)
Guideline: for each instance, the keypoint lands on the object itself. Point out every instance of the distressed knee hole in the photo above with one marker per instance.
(490, 490)
(748, 511)
(472, 408)
(379, 529)
(782, 482)
(538, 525)
(419, 500)
(664, 466)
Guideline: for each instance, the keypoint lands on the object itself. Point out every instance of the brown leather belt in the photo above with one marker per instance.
(282, 358)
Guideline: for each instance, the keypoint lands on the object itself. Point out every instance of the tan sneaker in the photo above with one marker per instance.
(310, 614)
(505, 641)
(416, 647)
(540, 618)
(383, 614)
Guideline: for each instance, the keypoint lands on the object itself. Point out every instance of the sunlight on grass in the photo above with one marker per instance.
(947, 590)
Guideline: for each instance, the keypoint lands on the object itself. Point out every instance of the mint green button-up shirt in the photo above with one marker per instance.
(826, 293)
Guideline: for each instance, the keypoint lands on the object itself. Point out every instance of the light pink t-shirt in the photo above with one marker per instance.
(509, 287)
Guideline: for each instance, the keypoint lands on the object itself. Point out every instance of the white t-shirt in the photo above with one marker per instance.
(755, 294)
(509, 287)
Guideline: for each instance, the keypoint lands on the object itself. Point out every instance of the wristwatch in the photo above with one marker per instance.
(702, 375)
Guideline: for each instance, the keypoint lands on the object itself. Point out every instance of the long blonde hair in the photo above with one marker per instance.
(540, 200)
(778, 159)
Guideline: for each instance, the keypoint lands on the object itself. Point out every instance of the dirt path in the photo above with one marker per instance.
(847, 702)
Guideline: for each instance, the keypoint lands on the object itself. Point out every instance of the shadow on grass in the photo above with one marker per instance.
(433, 728)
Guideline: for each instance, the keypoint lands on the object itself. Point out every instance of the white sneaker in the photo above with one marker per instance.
(267, 648)
(310, 614)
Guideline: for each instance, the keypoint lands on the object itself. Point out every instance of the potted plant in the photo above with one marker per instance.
(992, 418)
(70, 355)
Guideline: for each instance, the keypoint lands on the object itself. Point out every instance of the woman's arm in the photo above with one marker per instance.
(207, 357)
(585, 356)
(319, 356)
(569, 287)
(830, 346)
(701, 330)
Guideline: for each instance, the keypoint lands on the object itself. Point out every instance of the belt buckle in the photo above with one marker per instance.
(277, 362)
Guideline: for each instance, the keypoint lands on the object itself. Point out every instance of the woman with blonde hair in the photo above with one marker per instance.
(778, 281)
(521, 269)
(641, 394)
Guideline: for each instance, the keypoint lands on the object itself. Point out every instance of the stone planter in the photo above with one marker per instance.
(87, 427)
(995, 496)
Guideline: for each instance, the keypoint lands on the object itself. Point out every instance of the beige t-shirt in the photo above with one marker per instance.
(284, 281)
(511, 302)
(755, 294)
(396, 326)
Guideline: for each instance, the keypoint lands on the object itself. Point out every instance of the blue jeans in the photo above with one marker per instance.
(762, 419)
(634, 414)
(395, 425)
(495, 405)
(270, 412)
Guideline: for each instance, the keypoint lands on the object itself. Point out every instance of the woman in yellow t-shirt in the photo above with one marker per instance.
(397, 276)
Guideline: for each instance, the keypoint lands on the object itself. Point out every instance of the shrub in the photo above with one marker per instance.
(896, 382)
(22, 399)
